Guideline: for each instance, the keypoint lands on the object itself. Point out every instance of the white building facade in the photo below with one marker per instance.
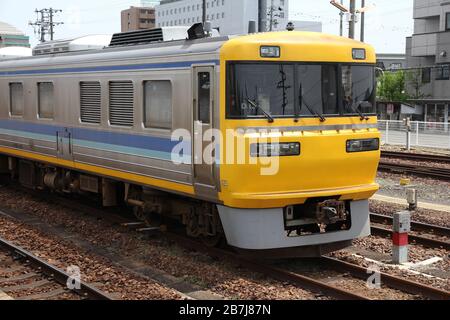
(227, 16)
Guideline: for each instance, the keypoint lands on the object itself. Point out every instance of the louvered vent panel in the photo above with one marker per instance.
(121, 103)
(90, 98)
(137, 37)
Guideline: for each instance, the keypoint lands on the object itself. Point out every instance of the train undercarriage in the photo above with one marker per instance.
(200, 219)
(319, 226)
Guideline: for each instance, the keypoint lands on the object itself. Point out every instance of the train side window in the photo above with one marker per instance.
(121, 103)
(46, 100)
(158, 104)
(90, 102)
(16, 98)
(204, 97)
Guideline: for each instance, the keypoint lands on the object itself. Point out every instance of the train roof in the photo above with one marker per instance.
(299, 45)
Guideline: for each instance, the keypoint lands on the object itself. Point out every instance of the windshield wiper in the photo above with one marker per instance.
(355, 108)
(311, 110)
(258, 107)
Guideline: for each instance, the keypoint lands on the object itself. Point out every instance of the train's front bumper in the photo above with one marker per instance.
(264, 229)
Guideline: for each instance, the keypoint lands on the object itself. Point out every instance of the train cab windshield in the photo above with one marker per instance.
(288, 90)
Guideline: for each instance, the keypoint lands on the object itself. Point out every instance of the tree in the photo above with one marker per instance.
(414, 83)
(392, 86)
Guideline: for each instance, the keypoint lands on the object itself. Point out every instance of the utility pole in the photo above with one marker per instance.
(342, 11)
(341, 25)
(363, 16)
(352, 22)
(45, 23)
(204, 11)
(271, 16)
(262, 15)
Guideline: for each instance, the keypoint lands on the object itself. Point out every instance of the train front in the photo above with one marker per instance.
(301, 146)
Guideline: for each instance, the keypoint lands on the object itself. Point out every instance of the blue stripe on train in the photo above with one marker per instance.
(149, 66)
(111, 141)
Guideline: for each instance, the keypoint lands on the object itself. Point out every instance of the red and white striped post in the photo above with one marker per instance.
(401, 227)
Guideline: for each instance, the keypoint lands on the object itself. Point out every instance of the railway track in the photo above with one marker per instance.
(415, 156)
(314, 284)
(279, 273)
(430, 172)
(28, 277)
(418, 228)
(417, 169)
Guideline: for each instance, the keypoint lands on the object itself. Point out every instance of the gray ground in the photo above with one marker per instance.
(429, 190)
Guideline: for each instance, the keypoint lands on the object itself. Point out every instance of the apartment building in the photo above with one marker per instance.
(137, 18)
(428, 53)
(227, 16)
(10, 36)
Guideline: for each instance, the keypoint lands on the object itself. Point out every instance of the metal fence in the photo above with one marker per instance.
(423, 134)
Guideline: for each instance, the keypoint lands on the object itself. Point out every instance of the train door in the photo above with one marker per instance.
(64, 144)
(204, 98)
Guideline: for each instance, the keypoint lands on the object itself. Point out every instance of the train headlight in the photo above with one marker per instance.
(363, 145)
(275, 149)
(270, 52)
(359, 54)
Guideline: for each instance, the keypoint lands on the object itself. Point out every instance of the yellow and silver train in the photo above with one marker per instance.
(102, 122)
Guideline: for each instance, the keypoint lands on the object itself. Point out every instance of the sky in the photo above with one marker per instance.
(388, 22)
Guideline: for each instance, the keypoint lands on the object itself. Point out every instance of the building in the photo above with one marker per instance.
(227, 16)
(391, 61)
(137, 18)
(428, 53)
(12, 37)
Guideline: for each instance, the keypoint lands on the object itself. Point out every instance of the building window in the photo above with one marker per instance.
(443, 72)
(46, 104)
(158, 104)
(447, 21)
(16, 98)
(426, 75)
(396, 66)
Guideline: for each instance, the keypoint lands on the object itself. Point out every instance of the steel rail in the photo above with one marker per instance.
(302, 281)
(431, 172)
(415, 156)
(53, 272)
(415, 225)
(389, 280)
(424, 241)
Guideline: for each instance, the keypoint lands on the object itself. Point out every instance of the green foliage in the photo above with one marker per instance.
(392, 87)
(414, 83)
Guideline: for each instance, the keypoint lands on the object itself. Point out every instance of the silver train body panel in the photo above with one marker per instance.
(173, 61)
